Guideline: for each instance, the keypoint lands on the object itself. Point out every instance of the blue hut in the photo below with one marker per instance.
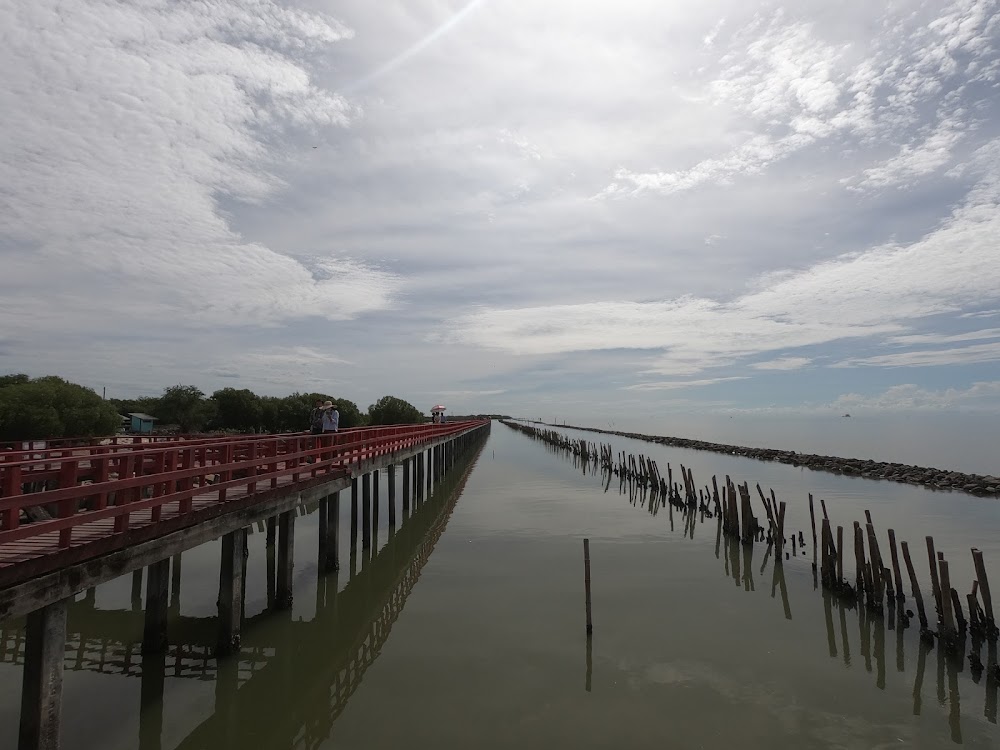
(141, 424)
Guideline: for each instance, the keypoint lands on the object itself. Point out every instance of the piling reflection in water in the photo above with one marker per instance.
(289, 680)
(737, 559)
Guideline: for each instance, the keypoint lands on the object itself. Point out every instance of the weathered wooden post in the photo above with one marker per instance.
(934, 574)
(984, 589)
(914, 586)
(154, 633)
(947, 614)
(897, 576)
(41, 686)
(286, 559)
(231, 577)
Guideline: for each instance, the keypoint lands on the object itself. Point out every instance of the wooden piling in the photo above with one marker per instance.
(984, 588)
(914, 585)
(947, 615)
(897, 576)
(840, 554)
(934, 575)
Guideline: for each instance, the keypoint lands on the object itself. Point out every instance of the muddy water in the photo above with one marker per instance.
(467, 629)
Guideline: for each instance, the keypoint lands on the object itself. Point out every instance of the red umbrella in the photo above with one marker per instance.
(438, 408)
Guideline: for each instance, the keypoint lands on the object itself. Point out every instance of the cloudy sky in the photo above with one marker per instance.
(502, 204)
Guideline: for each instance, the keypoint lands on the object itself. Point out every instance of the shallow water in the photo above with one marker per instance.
(468, 629)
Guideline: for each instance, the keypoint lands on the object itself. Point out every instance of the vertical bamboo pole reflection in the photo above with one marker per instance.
(866, 637)
(918, 682)
(831, 639)
(879, 625)
(778, 580)
(900, 660)
(845, 643)
(990, 712)
(954, 704)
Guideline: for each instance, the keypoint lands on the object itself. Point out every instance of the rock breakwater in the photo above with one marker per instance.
(938, 479)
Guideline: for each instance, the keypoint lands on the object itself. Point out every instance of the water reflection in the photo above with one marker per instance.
(290, 679)
(737, 564)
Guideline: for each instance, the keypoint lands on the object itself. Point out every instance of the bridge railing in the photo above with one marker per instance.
(105, 484)
(24, 450)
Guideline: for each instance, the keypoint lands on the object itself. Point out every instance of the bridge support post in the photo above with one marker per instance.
(407, 487)
(418, 478)
(354, 513)
(366, 511)
(231, 576)
(375, 499)
(154, 632)
(430, 472)
(392, 494)
(41, 687)
(175, 584)
(329, 533)
(137, 590)
(286, 559)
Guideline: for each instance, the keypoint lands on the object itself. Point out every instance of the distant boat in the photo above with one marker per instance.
(847, 415)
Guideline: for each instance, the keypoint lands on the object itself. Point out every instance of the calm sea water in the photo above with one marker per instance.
(957, 442)
(467, 629)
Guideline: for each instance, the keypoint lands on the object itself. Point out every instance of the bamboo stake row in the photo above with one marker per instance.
(876, 584)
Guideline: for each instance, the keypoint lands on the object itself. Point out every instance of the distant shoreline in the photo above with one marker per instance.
(937, 479)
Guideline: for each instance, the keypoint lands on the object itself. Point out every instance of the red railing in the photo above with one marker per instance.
(106, 481)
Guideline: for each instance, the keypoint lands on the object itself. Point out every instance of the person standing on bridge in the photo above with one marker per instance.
(331, 417)
(316, 418)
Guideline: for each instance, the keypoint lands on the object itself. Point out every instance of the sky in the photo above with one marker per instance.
(570, 207)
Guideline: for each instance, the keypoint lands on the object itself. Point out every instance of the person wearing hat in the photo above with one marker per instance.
(331, 417)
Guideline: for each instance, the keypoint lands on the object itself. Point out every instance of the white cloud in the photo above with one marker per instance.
(945, 338)
(122, 137)
(909, 397)
(796, 89)
(670, 385)
(874, 292)
(783, 363)
(966, 355)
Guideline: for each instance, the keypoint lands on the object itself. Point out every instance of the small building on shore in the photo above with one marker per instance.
(141, 424)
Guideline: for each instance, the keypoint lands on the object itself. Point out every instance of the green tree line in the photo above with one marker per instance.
(49, 407)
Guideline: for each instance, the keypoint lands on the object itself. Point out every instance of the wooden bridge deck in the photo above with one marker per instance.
(90, 500)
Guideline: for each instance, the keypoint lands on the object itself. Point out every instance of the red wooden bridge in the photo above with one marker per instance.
(113, 493)
(74, 514)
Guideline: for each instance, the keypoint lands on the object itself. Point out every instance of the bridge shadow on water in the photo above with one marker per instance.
(290, 679)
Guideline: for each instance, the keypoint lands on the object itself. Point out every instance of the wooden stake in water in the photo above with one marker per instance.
(586, 583)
